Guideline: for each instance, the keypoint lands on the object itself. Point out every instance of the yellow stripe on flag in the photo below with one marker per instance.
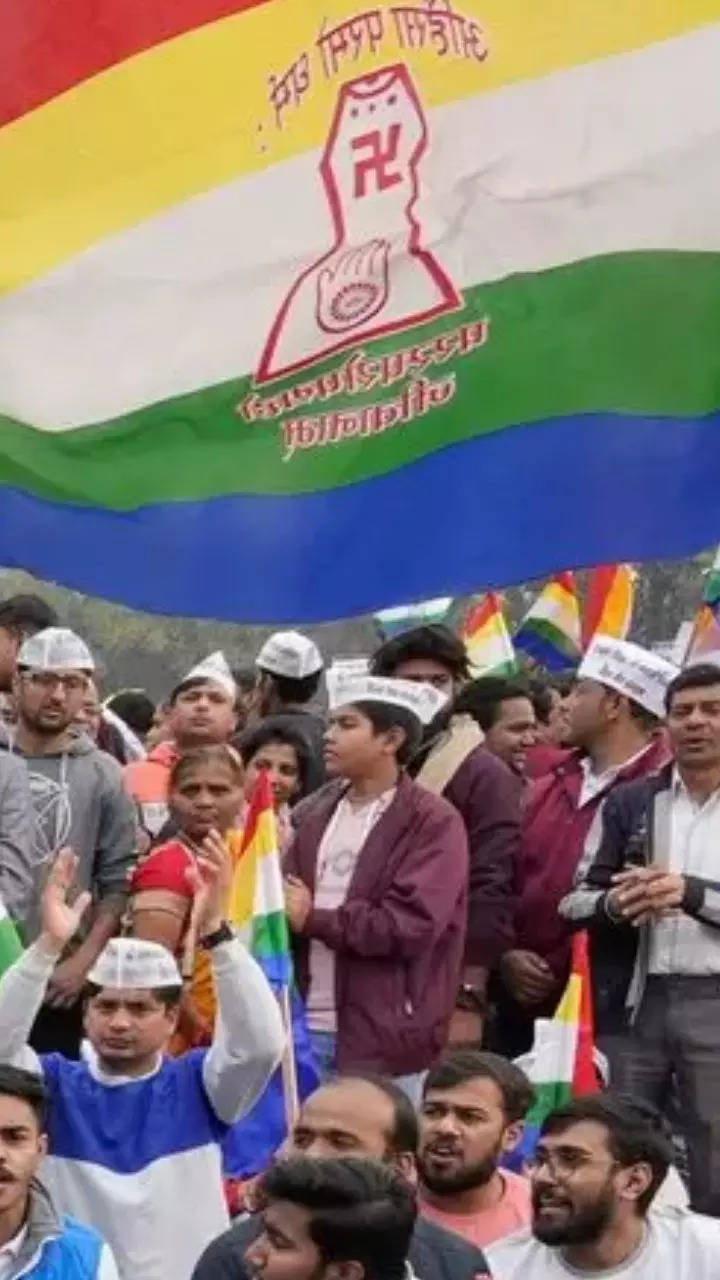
(568, 1009)
(186, 116)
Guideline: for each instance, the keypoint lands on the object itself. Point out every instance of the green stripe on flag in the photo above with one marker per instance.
(552, 634)
(10, 945)
(631, 333)
(547, 1098)
(270, 935)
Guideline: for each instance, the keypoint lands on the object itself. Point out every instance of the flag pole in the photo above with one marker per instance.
(288, 1064)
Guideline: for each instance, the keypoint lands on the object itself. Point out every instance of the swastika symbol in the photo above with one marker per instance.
(376, 165)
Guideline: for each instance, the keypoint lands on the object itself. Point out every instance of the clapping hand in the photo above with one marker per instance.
(298, 903)
(645, 893)
(211, 881)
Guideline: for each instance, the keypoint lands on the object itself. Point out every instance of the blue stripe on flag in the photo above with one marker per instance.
(501, 508)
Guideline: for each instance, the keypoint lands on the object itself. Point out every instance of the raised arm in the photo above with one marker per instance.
(249, 1035)
(23, 985)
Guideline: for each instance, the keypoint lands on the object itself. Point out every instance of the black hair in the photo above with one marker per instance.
(289, 690)
(279, 729)
(384, 716)
(643, 718)
(16, 1082)
(540, 693)
(194, 682)
(700, 676)
(168, 996)
(404, 1135)
(458, 1066)
(564, 682)
(482, 698)
(360, 1210)
(245, 678)
(25, 615)
(135, 708)
(636, 1133)
(214, 753)
(435, 641)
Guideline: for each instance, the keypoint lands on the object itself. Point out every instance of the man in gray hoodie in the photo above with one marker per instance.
(79, 802)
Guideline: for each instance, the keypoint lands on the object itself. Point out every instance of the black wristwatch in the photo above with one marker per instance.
(223, 933)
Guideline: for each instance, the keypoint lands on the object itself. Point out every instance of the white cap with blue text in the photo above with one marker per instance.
(132, 962)
(290, 654)
(55, 649)
(635, 672)
(348, 687)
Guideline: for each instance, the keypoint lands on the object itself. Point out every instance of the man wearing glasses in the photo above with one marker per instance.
(78, 801)
(598, 1167)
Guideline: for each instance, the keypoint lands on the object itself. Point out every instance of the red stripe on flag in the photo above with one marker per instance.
(260, 801)
(47, 46)
(585, 1076)
(599, 587)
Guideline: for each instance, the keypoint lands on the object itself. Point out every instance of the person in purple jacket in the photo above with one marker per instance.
(376, 889)
(455, 763)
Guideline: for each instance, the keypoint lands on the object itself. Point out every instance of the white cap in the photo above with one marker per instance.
(346, 688)
(131, 962)
(215, 669)
(56, 649)
(290, 654)
(633, 671)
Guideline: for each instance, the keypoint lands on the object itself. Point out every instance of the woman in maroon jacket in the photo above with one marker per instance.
(377, 889)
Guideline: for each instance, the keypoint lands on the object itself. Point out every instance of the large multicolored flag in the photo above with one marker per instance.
(262, 303)
(487, 638)
(610, 601)
(550, 630)
(562, 1062)
(257, 909)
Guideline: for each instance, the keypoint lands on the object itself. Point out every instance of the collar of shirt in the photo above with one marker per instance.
(594, 784)
(10, 1250)
(679, 790)
(377, 803)
(92, 1062)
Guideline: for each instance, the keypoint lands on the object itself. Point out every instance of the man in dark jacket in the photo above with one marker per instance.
(487, 795)
(652, 901)
(377, 889)
(614, 717)
(356, 1116)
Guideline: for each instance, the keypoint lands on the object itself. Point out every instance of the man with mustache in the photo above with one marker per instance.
(598, 1166)
(471, 1114)
(365, 1116)
(651, 899)
(36, 1241)
(201, 712)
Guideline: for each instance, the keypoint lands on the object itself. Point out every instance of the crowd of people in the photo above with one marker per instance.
(442, 837)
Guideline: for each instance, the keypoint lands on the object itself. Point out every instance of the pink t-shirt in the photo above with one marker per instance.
(513, 1211)
(340, 848)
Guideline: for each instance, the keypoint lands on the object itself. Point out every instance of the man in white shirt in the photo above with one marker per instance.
(597, 1167)
(652, 901)
(134, 1136)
